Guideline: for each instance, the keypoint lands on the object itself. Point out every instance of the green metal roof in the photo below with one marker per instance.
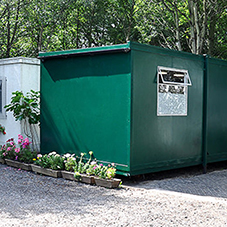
(86, 51)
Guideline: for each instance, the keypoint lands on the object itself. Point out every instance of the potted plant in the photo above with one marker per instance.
(7, 150)
(3, 154)
(49, 164)
(81, 168)
(19, 157)
(70, 165)
(105, 176)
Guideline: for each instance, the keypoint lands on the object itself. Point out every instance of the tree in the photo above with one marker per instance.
(30, 26)
(10, 21)
(188, 25)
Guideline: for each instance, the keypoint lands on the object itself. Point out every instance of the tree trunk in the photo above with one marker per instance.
(192, 40)
(8, 31)
(211, 37)
(178, 42)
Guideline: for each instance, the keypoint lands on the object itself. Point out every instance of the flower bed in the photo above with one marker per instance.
(69, 167)
(18, 157)
(89, 171)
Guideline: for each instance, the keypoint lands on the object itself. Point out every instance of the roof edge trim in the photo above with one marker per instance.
(125, 48)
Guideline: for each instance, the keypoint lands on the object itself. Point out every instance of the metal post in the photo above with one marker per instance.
(204, 139)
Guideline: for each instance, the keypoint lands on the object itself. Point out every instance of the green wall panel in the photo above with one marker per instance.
(164, 142)
(216, 110)
(85, 105)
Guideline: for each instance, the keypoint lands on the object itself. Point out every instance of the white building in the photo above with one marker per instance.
(16, 74)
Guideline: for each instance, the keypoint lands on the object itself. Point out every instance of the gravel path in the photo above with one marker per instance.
(33, 200)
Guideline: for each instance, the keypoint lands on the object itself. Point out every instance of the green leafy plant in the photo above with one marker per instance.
(87, 164)
(52, 160)
(77, 175)
(70, 162)
(80, 166)
(56, 162)
(23, 153)
(42, 160)
(91, 170)
(26, 108)
(8, 150)
(105, 172)
(110, 172)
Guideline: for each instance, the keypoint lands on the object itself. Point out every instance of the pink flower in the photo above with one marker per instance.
(17, 150)
(11, 143)
(4, 154)
(26, 140)
(20, 137)
(19, 141)
(94, 167)
(9, 149)
(101, 164)
(16, 157)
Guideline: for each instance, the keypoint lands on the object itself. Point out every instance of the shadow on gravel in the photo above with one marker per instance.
(190, 180)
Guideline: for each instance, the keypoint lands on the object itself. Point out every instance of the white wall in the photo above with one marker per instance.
(22, 74)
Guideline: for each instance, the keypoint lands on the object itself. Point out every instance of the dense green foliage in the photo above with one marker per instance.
(25, 107)
(30, 26)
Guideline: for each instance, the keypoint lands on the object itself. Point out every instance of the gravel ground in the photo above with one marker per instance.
(28, 199)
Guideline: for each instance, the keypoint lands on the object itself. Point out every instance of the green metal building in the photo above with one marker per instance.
(141, 107)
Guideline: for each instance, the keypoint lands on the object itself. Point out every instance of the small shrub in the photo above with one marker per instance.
(23, 153)
(70, 162)
(52, 160)
(8, 150)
